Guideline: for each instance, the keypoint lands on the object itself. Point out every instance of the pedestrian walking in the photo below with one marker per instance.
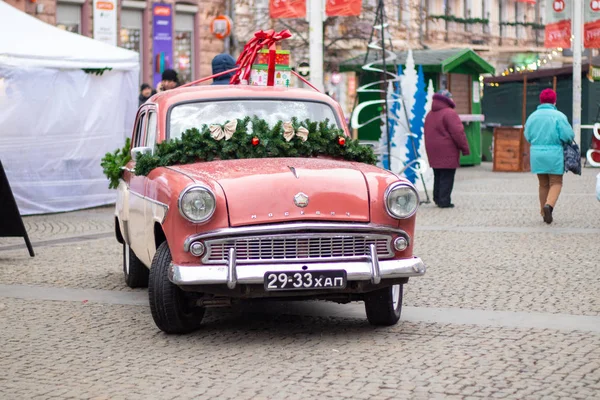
(445, 139)
(146, 92)
(548, 130)
(221, 63)
(170, 80)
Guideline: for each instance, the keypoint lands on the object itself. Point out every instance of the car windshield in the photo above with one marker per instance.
(194, 115)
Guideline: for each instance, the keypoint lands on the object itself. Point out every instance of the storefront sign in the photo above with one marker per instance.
(287, 8)
(558, 24)
(162, 39)
(343, 8)
(105, 21)
(221, 26)
(591, 28)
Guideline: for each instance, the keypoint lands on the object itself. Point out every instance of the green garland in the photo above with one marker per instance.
(112, 164)
(452, 18)
(253, 138)
(531, 24)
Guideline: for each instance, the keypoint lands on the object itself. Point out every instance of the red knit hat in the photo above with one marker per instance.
(548, 96)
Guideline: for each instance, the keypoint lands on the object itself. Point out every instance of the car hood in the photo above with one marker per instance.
(262, 191)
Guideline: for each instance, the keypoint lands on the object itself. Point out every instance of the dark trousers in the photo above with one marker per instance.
(443, 182)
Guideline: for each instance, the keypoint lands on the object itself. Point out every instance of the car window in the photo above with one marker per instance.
(139, 134)
(151, 129)
(194, 115)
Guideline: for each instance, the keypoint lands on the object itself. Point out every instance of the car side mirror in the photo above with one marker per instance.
(137, 151)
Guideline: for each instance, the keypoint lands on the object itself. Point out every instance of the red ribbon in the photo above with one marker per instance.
(248, 55)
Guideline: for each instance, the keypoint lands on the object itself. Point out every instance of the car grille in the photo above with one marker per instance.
(297, 248)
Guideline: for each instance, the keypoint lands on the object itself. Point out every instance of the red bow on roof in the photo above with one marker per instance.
(248, 55)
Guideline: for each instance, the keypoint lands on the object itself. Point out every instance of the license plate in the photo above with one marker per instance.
(305, 280)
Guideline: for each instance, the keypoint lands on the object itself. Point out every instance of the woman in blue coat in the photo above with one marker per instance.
(547, 130)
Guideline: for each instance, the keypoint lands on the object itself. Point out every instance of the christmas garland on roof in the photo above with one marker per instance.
(247, 138)
(452, 18)
(517, 23)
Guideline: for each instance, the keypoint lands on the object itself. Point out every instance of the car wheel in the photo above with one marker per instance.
(134, 271)
(384, 306)
(172, 310)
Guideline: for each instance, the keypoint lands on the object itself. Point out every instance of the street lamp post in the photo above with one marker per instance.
(316, 10)
(577, 48)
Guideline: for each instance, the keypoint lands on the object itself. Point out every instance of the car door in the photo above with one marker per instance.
(136, 204)
(153, 210)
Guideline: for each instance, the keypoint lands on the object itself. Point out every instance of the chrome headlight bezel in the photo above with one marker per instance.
(392, 188)
(191, 188)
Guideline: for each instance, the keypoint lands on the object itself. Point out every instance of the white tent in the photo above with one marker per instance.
(57, 121)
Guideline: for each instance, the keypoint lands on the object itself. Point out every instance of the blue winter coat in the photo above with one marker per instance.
(547, 129)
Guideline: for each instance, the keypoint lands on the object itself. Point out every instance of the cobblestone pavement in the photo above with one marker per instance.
(509, 308)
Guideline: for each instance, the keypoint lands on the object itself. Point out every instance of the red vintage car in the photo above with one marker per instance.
(211, 233)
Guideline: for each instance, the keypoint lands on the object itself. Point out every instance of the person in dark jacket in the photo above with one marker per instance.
(146, 92)
(445, 139)
(170, 80)
(221, 63)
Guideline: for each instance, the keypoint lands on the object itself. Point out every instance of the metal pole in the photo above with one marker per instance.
(316, 10)
(385, 84)
(577, 48)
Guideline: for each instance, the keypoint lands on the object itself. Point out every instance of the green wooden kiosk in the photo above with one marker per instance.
(457, 70)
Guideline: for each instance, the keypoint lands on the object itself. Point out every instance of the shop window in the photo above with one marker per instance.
(131, 33)
(68, 17)
(184, 46)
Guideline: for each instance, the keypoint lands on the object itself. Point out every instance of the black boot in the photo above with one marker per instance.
(548, 213)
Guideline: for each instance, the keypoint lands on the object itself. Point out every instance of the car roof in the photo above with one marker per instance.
(204, 92)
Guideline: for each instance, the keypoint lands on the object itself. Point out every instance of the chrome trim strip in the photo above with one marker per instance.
(254, 274)
(376, 273)
(394, 186)
(375, 237)
(231, 273)
(158, 203)
(294, 227)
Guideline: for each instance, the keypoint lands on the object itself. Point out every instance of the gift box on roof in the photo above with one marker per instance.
(282, 57)
(259, 75)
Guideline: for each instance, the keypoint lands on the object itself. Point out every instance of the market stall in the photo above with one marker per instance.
(509, 100)
(65, 100)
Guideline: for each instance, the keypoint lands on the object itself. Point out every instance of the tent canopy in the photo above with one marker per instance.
(442, 60)
(29, 42)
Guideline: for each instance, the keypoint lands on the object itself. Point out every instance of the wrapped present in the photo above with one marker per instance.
(260, 72)
(282, 57)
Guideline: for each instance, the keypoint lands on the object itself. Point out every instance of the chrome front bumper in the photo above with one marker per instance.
(370, 269)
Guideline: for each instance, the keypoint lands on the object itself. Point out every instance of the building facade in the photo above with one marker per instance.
(501, 31)
(193, 44)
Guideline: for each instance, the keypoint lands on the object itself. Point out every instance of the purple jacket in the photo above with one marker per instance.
(444, 134)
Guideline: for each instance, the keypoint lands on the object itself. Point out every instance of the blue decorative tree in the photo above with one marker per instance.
(416, 125)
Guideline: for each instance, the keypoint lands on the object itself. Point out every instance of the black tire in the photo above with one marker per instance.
(171, 309)
(134, 271)
(381, 308)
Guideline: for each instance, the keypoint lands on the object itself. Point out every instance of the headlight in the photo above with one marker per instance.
(197, 203)
(401, 200)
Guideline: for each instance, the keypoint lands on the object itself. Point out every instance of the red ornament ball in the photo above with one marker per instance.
(255, 141)
(341, 141)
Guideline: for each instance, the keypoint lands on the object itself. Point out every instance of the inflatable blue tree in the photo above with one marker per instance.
(416, 124)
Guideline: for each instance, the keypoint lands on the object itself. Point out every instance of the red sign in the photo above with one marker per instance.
(558, 34)
(162, 11)
(343, 8)
(558, 5)
(591, 38)
(287, 8)
(595, 5)
(221, 26)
